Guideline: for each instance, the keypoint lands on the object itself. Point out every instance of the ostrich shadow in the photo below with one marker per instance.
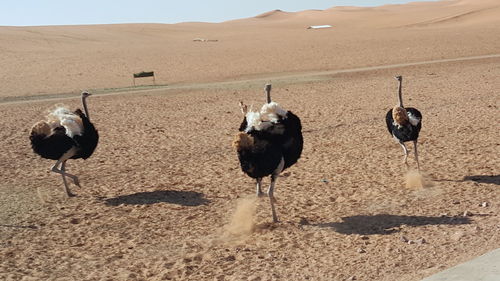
(184, 198)
(19, 226)
(387, 224)
(493, 179)
(484, 179)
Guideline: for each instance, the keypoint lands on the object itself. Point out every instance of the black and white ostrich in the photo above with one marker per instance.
(269, 141)
(404, 124)
(65, 135)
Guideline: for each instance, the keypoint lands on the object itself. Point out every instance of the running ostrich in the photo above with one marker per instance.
(65, 135)
(404, 124)
(269, 141)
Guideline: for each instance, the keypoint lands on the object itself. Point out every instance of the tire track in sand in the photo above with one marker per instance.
(276, 78)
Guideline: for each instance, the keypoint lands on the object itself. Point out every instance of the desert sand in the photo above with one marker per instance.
(163, 197)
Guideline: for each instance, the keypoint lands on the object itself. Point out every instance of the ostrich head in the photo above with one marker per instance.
(399, 115)
(86, 94)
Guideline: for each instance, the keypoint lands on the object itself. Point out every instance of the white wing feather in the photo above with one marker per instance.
(62, 116)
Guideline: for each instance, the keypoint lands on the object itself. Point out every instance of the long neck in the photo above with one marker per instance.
(400, 92)
(268, 93)
(84, 102)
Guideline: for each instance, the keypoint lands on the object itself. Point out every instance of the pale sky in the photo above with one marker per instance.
(67, 12)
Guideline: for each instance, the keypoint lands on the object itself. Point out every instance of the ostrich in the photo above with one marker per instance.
(65, 135)
(404, 124)
(269, 141)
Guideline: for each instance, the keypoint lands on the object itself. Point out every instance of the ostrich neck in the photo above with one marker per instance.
(268, 92)
(400, 94)
(84, 102)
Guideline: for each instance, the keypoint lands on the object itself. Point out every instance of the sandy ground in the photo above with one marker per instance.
(163, 197)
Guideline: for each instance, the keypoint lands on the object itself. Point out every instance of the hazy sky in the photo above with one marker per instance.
(63, 12)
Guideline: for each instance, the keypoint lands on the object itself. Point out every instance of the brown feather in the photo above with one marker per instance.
(41, 128)
(399, 115)
(242, 141)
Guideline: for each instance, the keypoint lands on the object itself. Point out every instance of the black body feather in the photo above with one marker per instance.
(54, 146)
(283, 139)
(407, 132)
(293, 140)
(87, 142)
(262, 158)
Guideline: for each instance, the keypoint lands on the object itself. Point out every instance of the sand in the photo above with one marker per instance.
(163, 197)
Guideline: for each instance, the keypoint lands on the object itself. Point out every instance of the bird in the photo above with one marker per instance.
(65, 135)
(404, 124)
(268, 142)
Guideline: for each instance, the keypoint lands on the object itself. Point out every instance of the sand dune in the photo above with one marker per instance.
(163, 197)
(274, 14)
(61, 59)
(461, 12)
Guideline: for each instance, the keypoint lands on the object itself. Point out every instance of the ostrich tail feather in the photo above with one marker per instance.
(399, 115)
(242, 141)
(41, 129)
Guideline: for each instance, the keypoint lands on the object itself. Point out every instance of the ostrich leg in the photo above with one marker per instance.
(259, 190)
(416, 154)
(59, 171)
(66, 189)
(406, 154)
(62, 171)
(270, 191)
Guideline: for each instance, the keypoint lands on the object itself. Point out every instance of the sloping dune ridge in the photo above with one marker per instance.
(163, 196)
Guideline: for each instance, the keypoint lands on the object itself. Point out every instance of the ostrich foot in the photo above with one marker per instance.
(275, 219)
(76, 181)
(66, 189)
